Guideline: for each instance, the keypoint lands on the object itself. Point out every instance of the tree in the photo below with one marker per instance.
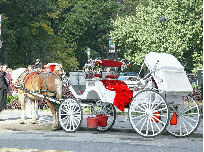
(28, 21)
(63, 53)
(179, 32)
(27, 34)
(88, 24)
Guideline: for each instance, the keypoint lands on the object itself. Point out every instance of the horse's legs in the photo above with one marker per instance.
(55, 118)
(22, 100)
(33, 121)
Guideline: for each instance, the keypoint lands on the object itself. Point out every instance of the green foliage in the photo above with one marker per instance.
(179, 35)
(11, 99)
(87, 22)
(25, 30)
(63, 53)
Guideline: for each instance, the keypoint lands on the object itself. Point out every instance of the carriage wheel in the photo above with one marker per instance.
(148, 113)
(107, 109)
(70, 115)
(184, 117)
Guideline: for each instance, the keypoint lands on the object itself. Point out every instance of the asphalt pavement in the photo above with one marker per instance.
(39, 137)
(9, 120)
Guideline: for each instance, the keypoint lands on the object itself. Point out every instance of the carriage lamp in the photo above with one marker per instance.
(88, 53)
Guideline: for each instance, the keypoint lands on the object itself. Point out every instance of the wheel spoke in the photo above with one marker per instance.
(138, 111)
(160, 115)
(147, 126)
(188, 104)
(77, 112)
(66, 123)
(180, 126)
(188, 123)
(157, 105)
(64, 110)
(143, 124)
(143, 105)
(190, 114)
(150, 100)
(190, 119)
(152, 127)
(158, 120)
(140, 107)
(152, 104)
(185, 126)
(140, 120)
(62, 114)
(70, 125)
(65, 117)
(137, 117)
(159, 110)
(188, 109)
(156, 125)
(76, 124)
(174, 110)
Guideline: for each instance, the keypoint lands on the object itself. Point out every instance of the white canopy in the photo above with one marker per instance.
(166, 61)
(169, 74)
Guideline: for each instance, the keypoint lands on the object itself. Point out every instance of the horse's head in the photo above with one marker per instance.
(58, 70)
(9, 71)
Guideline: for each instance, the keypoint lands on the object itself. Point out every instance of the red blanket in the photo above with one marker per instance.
(30, 76)
(123, 95)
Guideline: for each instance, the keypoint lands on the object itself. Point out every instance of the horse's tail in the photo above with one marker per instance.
(58, 86)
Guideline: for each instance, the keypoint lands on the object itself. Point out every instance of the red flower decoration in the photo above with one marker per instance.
(123, 95)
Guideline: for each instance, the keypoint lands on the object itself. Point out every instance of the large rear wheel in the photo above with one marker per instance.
(184, 117)
(148, 113)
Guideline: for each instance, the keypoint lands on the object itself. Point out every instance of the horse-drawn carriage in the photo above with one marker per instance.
(161, 100)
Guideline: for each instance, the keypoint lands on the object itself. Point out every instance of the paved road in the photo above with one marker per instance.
(120, 138)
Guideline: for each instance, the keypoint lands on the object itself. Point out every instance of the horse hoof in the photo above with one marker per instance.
(33, 121)
(21, 121)
(54, 128)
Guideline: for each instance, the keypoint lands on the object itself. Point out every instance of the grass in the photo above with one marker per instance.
(44, 110)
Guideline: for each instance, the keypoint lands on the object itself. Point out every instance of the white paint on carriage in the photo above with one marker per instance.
(104, 94)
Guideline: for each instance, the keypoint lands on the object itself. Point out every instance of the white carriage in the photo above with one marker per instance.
(160, 101)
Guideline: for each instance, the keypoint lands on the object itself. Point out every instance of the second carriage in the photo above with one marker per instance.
(160, 100)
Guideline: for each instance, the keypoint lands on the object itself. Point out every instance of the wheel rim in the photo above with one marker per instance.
(70, 115)
(148, 113)
(188, 117)
(105, 109)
